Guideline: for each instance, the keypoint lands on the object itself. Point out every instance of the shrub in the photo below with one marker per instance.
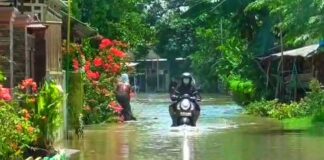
(275, 109)
(100, 68)
(16, 132)
(44, 108)
(315, 101)
(243, 90)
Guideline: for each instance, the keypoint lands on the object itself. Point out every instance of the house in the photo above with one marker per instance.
(300, 66)
(153, 73)
(30, 45)
(31, 34)
(31, 39)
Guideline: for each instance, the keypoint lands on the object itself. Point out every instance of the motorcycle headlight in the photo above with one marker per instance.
(185, 104)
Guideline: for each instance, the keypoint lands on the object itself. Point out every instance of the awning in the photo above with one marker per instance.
(306, 52)
(131, 64)
(78, 28)
(153, 60)
(38, 25)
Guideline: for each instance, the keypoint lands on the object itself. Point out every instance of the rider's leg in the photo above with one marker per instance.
(196, 114)
(172, 114)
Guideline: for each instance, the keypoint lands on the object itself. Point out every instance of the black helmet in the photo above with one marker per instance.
(186, 75)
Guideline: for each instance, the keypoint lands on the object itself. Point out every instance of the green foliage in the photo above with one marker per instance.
(276, 109)
(2, 77)
(299, 20)
(315, 101)
(97, 92)
(234, 60)
(176, 38)
(44, 110)
(48, 112)
(16, 133)
(311, 106)
(243, 90)
(96, 107)
(124, 20)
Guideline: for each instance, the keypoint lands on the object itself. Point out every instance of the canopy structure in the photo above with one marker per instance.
(131, 64)
(306, 52)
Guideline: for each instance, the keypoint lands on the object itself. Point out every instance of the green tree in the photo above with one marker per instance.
(123, 20)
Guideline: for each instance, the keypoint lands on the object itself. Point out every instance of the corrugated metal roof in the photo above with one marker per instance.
(305, 52)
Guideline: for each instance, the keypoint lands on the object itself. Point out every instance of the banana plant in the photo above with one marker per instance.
(48, 112)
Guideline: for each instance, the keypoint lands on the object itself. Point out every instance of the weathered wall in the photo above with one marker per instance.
(7, 15)
(19, 48)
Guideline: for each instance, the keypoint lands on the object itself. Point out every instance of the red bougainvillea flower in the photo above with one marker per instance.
(107, 67)
(116, 68)
(75, 64)
(87, 66)
(105, 43)
(110, 59)
(116, 107)
(118, 53)
(5, 94)
(93, 75)
(98, 62)
(28, 83)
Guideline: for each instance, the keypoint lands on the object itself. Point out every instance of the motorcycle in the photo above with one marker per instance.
(186, 110)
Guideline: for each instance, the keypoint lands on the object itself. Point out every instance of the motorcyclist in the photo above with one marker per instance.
(186, 87)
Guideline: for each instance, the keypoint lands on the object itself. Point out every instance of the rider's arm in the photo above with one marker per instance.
(174, 94)
(196, 94)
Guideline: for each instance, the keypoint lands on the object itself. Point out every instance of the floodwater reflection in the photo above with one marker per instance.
(222, 133)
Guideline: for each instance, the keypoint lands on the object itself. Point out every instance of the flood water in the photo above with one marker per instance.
(222, 133)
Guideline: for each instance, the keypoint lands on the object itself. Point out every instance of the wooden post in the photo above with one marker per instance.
(145, 76)
(278, 80)
(157, 75)
(11, 54)
(268, 76)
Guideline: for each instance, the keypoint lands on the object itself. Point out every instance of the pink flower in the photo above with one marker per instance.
(5, 94)
(28, 83)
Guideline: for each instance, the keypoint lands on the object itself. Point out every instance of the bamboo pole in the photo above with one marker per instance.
(282, 64)
(68, 60)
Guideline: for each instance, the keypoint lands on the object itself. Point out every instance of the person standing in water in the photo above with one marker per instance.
(123, 96)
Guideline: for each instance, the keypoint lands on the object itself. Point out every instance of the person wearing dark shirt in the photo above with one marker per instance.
(123, 96)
